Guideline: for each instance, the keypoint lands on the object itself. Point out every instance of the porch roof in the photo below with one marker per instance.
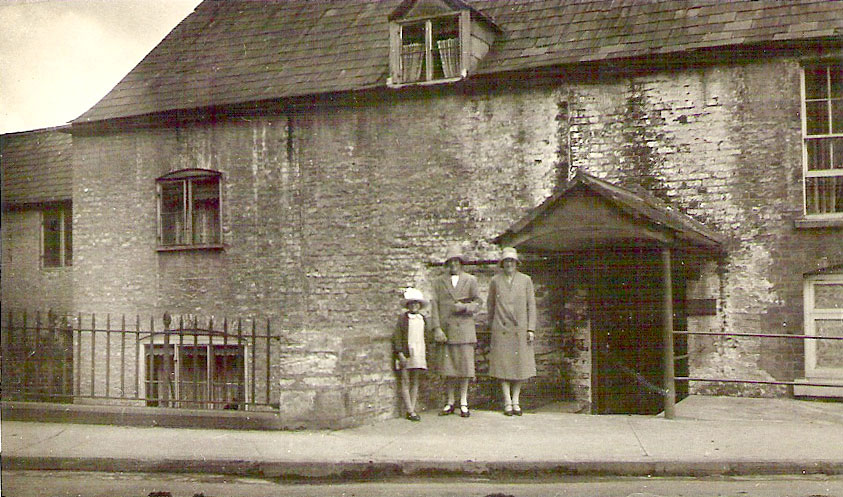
(589, 212)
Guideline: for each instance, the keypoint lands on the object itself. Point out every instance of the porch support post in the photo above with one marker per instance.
(667, 336)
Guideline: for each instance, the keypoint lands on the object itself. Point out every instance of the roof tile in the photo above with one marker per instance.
(237, 50)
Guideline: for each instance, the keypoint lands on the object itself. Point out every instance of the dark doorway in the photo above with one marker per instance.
(626, 317)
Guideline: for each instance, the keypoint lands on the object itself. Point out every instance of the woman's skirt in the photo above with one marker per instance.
(455, 360)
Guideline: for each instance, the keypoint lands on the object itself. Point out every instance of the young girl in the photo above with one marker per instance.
(409, 350)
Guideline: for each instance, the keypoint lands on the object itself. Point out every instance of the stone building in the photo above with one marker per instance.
(302, 162)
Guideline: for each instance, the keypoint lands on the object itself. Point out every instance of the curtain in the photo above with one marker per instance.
(449, 53)
(412, 62)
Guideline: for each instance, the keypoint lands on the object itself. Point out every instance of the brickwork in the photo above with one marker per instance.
(723, 145)
(330, 211)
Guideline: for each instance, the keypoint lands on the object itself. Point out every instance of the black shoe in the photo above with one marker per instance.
(516, 409)
(413, 416)
(507, 411)
(464, 412)
(448, 409)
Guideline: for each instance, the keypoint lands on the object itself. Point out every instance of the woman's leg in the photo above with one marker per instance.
(464, 391)
(507, 398)
(516, 396)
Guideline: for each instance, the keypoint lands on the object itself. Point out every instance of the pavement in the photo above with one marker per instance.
(708, 436)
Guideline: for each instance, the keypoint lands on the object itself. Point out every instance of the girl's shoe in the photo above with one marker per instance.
(516, 409)
(448, 409)
(413, 416)
(464, 412)
(507, 411)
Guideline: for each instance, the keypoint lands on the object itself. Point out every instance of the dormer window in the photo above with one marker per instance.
(430, 50)
(434, 41)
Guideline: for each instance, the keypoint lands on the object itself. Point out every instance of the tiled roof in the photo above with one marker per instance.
(237, 51)
(36, 167)
(639, 206)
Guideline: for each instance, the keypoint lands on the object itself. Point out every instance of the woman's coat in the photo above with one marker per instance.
(512, 311)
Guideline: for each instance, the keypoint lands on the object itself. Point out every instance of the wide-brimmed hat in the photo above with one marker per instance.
(414, 295)
(509, 253)
(454, 252)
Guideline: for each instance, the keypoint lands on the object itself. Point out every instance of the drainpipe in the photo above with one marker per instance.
(667, 336)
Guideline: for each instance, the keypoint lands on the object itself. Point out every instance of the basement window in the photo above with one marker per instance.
(189, 209)
(824, 317)
(57, 237)
(822, 125)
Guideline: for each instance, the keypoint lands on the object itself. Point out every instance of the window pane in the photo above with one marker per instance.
(819, 154)
(829, 352)
(206, 209)
(816, 82)
(412, 52)
(817, 117)
(52, 238)
(836, 81)
(837, 116)
(446, 41)
(68, 237)
(172, 213)
(824, 195)
(828, 296)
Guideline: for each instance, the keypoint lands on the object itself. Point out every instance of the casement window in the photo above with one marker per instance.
(430, 49)
(824, 317)
(822, 111)
(210, 376)
(189, 204)
(57, 237)
(433, 42)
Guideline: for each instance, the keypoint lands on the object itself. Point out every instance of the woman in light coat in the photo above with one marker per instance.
(512, 314)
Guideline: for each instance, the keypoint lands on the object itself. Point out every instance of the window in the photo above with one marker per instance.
(430, 50)
(189, 209)
(823, 139)
(195, 376)
(57, 237)
(824, 317)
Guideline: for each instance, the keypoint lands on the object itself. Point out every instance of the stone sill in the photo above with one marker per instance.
(810, 222)
(181, 248)
(815, 391)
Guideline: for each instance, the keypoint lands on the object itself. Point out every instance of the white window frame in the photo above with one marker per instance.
(184, 236)
(812, 315)
(65, 217)
(428, 75)
(807, 138)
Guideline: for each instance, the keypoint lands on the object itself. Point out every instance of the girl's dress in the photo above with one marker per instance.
(415, 342)
(409, 339)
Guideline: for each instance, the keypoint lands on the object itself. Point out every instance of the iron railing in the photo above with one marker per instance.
(90, 359)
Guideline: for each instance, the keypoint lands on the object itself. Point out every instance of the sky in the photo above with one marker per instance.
(59, 57)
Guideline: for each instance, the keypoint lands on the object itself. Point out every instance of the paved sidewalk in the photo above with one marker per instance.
(710, 436)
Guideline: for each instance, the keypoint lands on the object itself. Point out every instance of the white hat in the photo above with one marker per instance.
(509, 253)
(413, 295)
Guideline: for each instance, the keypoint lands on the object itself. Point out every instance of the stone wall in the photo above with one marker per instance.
(23, 277)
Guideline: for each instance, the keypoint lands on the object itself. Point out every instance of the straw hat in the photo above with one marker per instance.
(414, 295)
(509, 253)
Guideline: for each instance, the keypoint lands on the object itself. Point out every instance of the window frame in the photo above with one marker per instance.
(65, 237)
(179, 355)
(188, 178)
(463, 23)
(834, 218)
(811, 316)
